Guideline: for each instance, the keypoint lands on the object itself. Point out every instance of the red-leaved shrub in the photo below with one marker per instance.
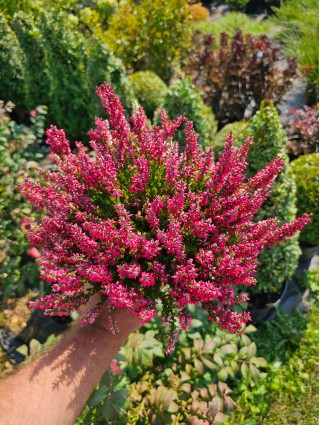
(303, 131)
(238, 73)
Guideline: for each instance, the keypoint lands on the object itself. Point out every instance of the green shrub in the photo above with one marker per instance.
(231, 22)
(270, 141)
(299, 21)
(59, 67)
(148, 89)
(306, 174)
(238, 129)
(19, 155)
(183, 98)
(151, 35)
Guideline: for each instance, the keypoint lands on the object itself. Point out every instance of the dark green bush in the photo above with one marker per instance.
(148, 89)
(57, 66)
(20, 153)
(183, 98)
(306, 174)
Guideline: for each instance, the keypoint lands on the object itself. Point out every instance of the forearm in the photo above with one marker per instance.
(53, 389)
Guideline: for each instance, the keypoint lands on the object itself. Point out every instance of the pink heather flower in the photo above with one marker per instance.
(138, 222)
(33, 113)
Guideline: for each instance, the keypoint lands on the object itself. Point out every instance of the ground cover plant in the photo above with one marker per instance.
(238, 73)
(288, 392)
(141, 223)
(191, 386)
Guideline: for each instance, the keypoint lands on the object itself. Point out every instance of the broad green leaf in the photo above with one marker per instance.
(252, 349)
(244, 370)
(223, 374)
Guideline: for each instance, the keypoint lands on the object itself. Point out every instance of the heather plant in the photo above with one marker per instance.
(151, 35)
(238, 74)
(20, 153)
(148, 89)
(303, 131)
(50, 61)
(139, 223)
(183, 98)
(305, 171)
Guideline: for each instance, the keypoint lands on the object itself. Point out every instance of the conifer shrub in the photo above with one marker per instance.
(238, 73)
(139, 223)
(269, 137)
(305, 171)
(151, 35)
(183, 98)
(148, 89)
(51, 63)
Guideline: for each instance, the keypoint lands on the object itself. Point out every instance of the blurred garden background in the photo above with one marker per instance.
(249, 67)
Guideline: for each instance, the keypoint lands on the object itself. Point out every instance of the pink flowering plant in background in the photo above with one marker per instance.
(139, 223)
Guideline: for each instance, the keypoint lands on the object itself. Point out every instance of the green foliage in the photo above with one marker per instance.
(148, 89)
(190, 386)
(306, 174)
(58, 66)
(299, 21)
(269, 137)
(289, 392)
(19, 156)
(239, 131)
(151, 35)
(237, 4)
(310, 282)
(231, 22)
(183, 98)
